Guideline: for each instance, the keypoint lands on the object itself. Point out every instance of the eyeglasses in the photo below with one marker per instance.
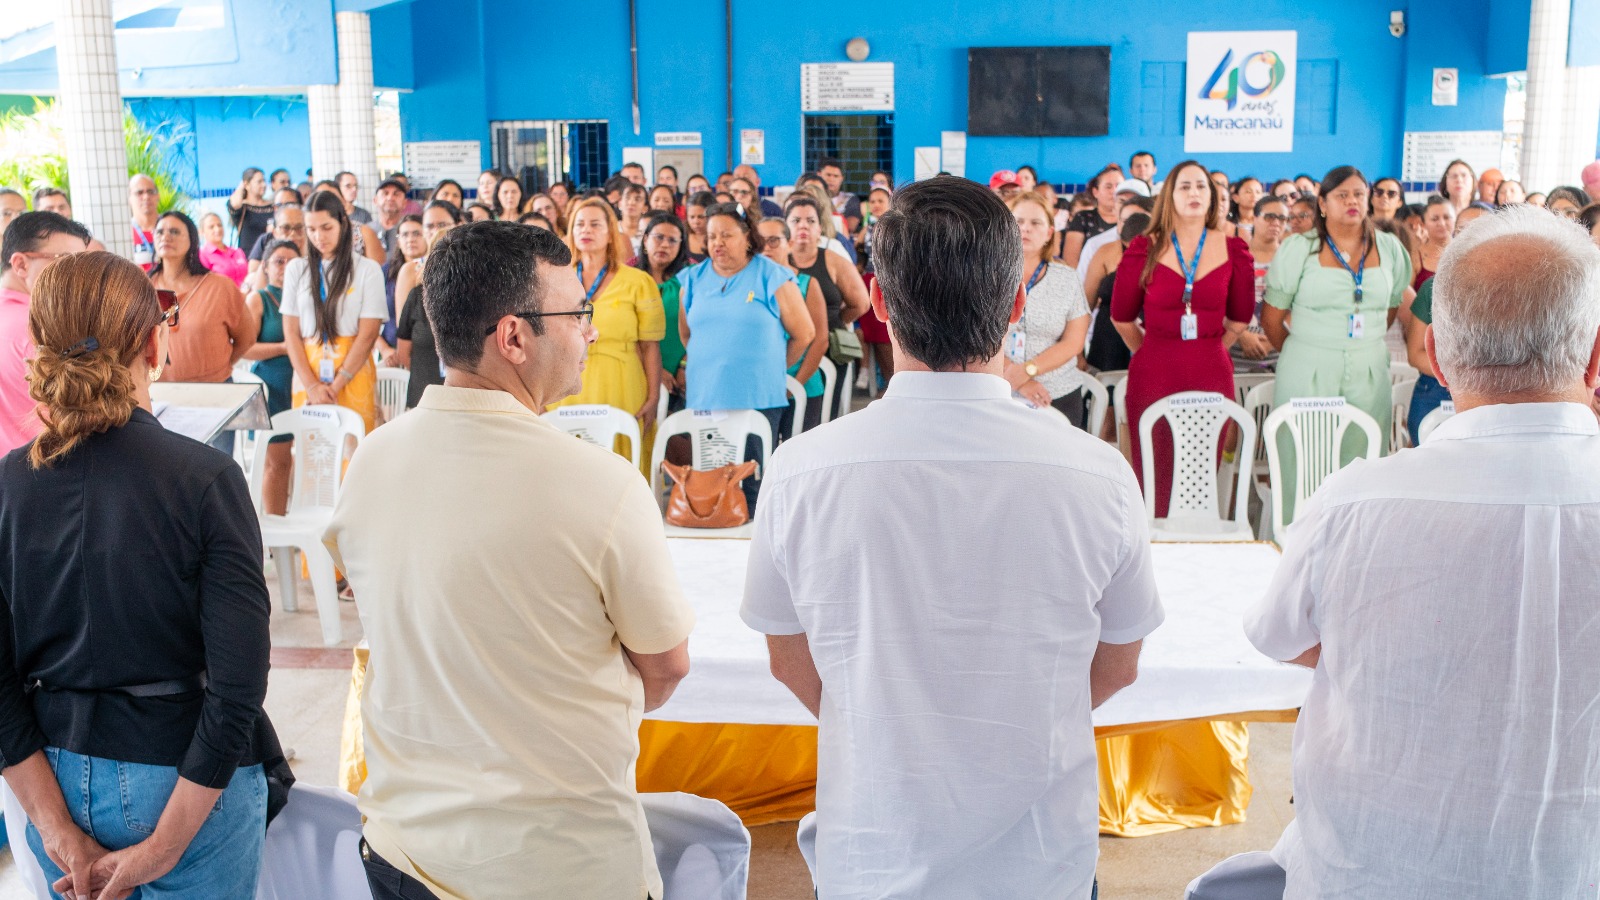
(1299, 216)
(1278, 218)
(292, 229)
(145, 192)
(584, 317)
(287, 204)
(170, 232)
(739, 192)
(47, 257)
(431, 227)
(773, 241)
(169, 307)
(665, 240)
(1391, 193)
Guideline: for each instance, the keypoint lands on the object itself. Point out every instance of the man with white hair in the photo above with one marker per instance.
(1446, 598)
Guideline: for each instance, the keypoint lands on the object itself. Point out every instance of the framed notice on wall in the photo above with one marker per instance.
(1240, 92)
(430, 162)
(846, 87)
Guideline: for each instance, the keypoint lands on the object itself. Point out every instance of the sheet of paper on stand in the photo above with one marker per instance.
(1197, 664)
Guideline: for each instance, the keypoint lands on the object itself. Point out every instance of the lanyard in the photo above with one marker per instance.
(139, 239)
(593, 289)
(1038, 274)
(1355, 273)
(1189, 270)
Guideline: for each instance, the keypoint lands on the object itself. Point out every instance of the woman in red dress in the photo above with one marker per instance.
(1194, 290)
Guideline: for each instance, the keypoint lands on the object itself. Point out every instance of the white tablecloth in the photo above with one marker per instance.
(1197, 664)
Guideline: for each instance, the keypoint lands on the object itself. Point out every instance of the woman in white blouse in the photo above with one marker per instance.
(1042, 348)
(334, 300)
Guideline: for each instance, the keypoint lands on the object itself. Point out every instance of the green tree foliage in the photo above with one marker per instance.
(33, 152)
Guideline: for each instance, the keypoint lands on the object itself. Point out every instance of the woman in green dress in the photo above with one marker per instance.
(1331, 294)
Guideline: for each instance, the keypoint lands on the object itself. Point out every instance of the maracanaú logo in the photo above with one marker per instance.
(1228, 82)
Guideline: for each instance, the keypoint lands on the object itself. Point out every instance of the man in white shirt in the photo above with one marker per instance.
(953, 638)
(1446, 598)
(522, 610)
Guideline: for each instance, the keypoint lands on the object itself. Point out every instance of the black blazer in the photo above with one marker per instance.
(134, 562)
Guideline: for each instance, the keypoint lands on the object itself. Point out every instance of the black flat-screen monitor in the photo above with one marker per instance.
(1038, 91)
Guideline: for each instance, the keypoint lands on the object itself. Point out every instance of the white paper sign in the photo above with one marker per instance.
(925, 162)
(953, 153)
(677, 139)
(1240, 92)
(430, 162)
(1446, 83)
(644, 156)
(847, 87)
(1424, 154)
(1317, 403)
(752, 146)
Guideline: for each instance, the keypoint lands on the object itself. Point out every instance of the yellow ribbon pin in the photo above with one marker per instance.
(750, 298)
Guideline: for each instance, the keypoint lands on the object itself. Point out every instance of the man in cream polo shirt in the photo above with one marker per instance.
(521, 607)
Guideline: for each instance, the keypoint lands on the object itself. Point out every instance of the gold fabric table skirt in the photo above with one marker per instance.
(1154, 777)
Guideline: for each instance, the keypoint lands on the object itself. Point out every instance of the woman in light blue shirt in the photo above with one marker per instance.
(743, 323)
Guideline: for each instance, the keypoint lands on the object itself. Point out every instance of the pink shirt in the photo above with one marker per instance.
(18, 424)
(228, 262)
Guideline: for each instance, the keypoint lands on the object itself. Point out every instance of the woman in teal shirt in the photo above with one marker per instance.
(663, 253)
(1338, 287)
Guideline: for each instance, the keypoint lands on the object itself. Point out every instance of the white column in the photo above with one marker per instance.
(360, 149)
(1549, 23)
(1581, 129)
(322, 106)
(91, 104)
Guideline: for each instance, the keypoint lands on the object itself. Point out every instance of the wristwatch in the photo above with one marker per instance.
(1031, 369)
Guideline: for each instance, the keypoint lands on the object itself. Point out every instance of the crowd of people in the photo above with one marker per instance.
(982, 300)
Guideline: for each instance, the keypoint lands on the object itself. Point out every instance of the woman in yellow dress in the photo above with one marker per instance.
(333, 298)
(624, 367)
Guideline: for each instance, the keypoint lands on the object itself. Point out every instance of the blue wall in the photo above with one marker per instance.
(1377, 86)
(214, 139)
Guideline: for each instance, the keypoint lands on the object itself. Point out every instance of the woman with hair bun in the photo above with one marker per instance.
(134, 633)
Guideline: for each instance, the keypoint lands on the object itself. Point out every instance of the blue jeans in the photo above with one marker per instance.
(119, 804)
(1425, 398)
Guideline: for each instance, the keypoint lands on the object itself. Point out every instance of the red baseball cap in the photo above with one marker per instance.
(1001, 178)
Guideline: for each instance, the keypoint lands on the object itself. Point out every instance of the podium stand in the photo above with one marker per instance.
(202, 411)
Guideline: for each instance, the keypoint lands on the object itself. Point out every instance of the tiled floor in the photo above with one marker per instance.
(306, 698)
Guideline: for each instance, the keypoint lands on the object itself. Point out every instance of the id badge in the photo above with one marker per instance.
(1358, 325)
(1016, 345)
(325, 367)
(1189, 326)
(144, 256)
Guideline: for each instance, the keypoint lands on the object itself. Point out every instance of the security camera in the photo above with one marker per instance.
(1397, 22)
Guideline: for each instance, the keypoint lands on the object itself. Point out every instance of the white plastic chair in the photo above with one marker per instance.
(1258, 403)
(847, 398)
(1244, 876)
(321, 434)
(1244, 382)
(1399, 371)
(797, 393)
(1399, 430)
(392, 386)
(1317, 426)
(701, 847)
(1113, 380)
(830, 378)
(1434, 419)
(600, 425)
(717, 438)
(313, 849)
(28, 868)
(805, 835)
(1197, 420)
(1096, 403)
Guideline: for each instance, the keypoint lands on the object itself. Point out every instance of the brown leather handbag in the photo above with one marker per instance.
(708, 499)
